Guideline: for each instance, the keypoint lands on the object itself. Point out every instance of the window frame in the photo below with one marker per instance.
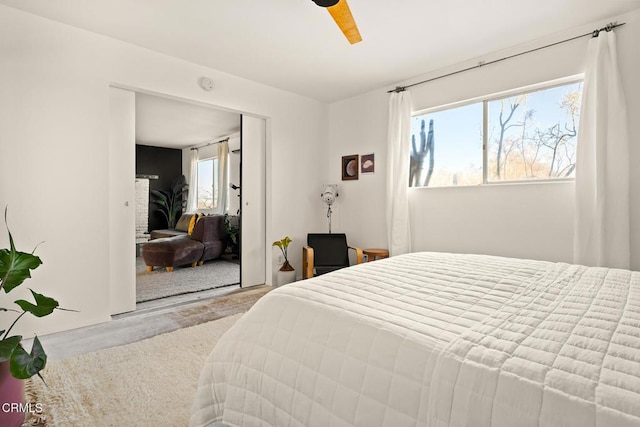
(485, 100)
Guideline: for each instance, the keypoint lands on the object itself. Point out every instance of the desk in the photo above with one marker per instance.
(375, 253)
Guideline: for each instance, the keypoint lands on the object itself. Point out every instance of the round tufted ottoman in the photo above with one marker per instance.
(171, 251)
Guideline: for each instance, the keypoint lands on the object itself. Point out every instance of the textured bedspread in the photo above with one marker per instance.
(434, 339)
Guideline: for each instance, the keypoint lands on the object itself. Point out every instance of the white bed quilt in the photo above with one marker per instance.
(432, 339)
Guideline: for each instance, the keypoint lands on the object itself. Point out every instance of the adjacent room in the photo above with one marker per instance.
(320, 213)
(167, 207)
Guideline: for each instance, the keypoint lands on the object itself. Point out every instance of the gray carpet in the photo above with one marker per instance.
(160, 284)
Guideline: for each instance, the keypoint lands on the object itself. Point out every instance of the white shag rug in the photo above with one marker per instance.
(183, 280)
(147, 383)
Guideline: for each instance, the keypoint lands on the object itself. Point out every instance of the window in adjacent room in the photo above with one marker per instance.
(208, 184)
(524, 136)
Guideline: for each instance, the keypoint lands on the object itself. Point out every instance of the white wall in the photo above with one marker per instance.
(528, 221)
(54, 111)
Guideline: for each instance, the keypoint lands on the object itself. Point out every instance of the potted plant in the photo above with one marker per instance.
(172, 202)
(287, 273)
(16, 364)
(232, 228)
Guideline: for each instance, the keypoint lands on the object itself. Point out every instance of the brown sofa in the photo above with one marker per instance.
(208, 241)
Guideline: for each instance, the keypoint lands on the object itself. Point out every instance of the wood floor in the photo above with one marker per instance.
(153, 318)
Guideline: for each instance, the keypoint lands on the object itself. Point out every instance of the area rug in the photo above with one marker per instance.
(183, 280)
(148, 383)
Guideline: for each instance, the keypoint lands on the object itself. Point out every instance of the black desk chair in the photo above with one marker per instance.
(326, 252)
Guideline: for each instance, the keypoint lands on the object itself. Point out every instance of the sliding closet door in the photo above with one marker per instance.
(122, 244)
(253, 224)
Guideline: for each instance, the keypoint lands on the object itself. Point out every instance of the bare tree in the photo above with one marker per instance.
(504, 120)
(511, 143)
(555, 138)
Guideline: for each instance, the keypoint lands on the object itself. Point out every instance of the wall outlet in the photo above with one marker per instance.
(280, 259)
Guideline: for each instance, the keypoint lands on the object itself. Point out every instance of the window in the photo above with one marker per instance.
(208, 184)
(443, 152)
(521, 137)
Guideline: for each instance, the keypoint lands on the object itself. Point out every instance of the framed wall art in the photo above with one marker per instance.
(367, 163)
(350, 167)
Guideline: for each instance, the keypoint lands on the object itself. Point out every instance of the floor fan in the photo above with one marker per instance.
(329, 195)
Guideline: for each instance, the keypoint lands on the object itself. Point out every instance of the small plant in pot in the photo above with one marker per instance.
(16, 364)
(287, 273)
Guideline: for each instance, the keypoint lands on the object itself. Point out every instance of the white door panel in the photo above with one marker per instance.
(253, 225)
(122, 269)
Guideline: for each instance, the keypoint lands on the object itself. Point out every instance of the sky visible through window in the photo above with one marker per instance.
(537, 143)
(457, 142)
(205, 184)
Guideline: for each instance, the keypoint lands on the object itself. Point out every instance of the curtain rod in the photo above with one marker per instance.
(210, 143)
(594, 33)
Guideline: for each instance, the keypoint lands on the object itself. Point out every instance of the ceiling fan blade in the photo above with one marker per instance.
(343, 17)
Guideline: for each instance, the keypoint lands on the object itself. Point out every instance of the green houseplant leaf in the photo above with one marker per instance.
(7, 346)
(232, 231)
(24, 365)
(171, 202)
(283, 244)
(44, 305)
(15, 266)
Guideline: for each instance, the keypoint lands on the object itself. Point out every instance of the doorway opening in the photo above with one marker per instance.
(189, 187)
(184, 249)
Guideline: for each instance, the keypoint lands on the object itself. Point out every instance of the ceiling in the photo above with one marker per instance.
(296, 46)
(164, 122)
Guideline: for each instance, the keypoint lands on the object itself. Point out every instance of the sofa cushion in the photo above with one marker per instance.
(193, 222)
(183, 222)
(211, 232)
(160, 234)
(209, 228)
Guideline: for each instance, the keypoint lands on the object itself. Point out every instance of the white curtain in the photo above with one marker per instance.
(399, 141)
(223, 177)
(601, 232)
(192, 196)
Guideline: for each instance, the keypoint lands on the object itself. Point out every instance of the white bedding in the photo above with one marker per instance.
(433, 339)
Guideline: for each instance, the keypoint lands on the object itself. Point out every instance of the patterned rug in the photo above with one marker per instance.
(183, 280)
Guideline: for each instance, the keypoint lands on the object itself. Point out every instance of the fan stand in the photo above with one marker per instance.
(329, 195)
(329, 211)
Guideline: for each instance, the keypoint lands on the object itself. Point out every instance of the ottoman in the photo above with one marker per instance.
(171, 251)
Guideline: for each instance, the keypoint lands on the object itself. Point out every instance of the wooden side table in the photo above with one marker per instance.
(375, 253)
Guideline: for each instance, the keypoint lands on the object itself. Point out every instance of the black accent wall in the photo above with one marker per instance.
(167, 164)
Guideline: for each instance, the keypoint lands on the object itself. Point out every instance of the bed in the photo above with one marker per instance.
(433, 339)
